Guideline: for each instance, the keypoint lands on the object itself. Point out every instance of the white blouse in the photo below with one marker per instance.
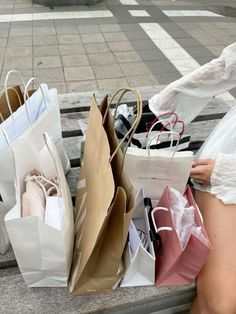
(223, 179)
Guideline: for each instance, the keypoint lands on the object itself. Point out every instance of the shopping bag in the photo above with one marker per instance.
(154, 169)
(139, 254)
(39, 114)
(43, 253)
(4, 239)
(184, 242)
(148, 121)
(15, 97)
(104, 203)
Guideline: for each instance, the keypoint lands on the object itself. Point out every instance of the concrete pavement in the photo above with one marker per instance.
(113, 43)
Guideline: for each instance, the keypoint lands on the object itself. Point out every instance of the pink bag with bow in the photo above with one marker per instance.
(184, 245)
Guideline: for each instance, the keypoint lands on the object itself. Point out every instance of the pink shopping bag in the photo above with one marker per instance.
(184, 242)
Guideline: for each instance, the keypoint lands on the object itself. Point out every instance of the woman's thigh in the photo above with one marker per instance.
(217, 279)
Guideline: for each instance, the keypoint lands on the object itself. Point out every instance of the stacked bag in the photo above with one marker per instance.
(122, 230)
(25, 117)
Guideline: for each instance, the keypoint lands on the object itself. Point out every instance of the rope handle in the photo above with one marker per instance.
(1, 117)
(163, 127)
(157, 138)
(53, 152)
(8, 101)
(164, 228)
(27, 98)
(174, 122)
(134, 126)
(6, 87)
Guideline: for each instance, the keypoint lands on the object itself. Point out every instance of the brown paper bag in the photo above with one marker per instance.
(104, 202)
(15, 98)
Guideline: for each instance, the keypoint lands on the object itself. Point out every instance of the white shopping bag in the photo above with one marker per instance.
(39, 114)
(139, 255)
(43, 253)
(4, 240)
(155, 169)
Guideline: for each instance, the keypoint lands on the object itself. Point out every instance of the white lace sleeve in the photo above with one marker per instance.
(223, 178)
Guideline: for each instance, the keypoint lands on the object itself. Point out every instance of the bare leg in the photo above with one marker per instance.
(216, 282)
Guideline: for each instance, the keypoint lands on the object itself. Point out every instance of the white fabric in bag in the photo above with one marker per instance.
(43, 253)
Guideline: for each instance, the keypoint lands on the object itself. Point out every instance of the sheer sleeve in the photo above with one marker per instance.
(223, 178)
(189, 95)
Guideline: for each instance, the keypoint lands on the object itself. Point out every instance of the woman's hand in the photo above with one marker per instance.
(202, 170)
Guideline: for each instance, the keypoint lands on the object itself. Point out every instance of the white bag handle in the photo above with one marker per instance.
(27, 98)
(148, 144)
(159, 122)
(158, 230)
(164, 132)
(6, 87)
(5, 135)
(157, 136)
(7, 96)
(57, 165)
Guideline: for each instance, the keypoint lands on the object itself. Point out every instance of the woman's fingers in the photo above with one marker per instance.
(202, 170)
(198, 170)
(201, 162)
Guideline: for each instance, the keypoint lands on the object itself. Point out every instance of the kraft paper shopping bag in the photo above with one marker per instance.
(104, 202)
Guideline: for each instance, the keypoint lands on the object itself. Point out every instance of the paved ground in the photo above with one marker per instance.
(111, 44)
(114, 43)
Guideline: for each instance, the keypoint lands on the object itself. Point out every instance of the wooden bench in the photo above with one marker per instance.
(16, 297)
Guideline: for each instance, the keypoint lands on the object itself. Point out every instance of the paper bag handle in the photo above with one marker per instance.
(151, 128)
(164, 228)
(27, 98)
(8, 102)
(131, 131)
(157, 136)
(6, 87)
(173, 122)
(7, 141)
(156, 123)
(53, 151)
(170, 113)
(7, 96)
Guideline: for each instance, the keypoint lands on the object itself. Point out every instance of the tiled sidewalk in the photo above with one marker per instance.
(111, 44)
